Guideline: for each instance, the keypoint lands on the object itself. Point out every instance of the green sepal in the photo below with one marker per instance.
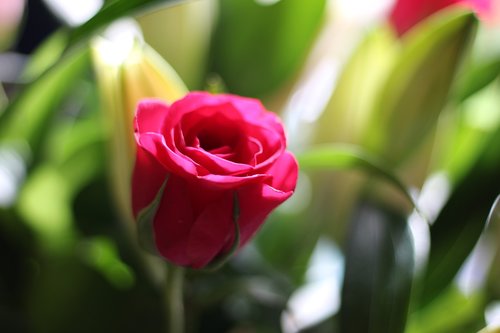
(145, 220)
(218, 262)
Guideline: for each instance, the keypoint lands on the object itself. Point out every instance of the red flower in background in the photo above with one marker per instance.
(208, 148)
(407, 13)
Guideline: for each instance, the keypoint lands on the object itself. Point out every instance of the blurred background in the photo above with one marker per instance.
(387, 106)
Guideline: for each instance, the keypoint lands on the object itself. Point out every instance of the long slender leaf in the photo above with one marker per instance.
(351, 157)
(462, 220)
(435, 318)
(3, 99)
(111, 11)
(476, 78)
(30, 112)
(254, 58)
(278, 241)
(379, 272)
(494, 215)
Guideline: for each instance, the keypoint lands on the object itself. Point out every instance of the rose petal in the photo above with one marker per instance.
(147, 178)
(150, 116)
(407, 13)
(253, 144)
(229, 182)
(193, 101)
(255, 113)
(224, 152)
(173, 221)
(211, 231)
(177, 163)
(222, 116)
(254, 149)
(252, 119)
(259, 200)
(273, 146)
(256, 203)
(285, 172)
(216, 164)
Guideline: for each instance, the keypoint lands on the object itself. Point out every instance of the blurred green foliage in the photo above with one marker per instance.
(407, 108)
(256, 47)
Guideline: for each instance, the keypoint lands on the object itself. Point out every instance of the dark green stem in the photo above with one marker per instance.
(174, 299)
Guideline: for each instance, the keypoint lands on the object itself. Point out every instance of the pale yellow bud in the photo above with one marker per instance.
(127, 71)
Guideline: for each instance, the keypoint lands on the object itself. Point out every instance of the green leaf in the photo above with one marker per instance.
(46, 202)
(257, 47)
(78, 151)
(45, 206)
(28, 115)
(350, 157)
(46, 55)
(435, 318)
(379, 272)
(53, 76)
(111, 11)
(102, 254)
(494, 215)
(287, 241)
(145, 221)
(476, 78)
(462, 220)
(463, 133)
(3, 99)
(417, 88)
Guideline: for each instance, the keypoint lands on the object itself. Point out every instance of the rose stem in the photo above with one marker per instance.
(174, 299)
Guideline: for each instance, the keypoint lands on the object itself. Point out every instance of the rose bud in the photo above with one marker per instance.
(209, 170)
(407, 13)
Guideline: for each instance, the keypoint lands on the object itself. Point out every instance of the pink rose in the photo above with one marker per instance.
(209, 149)
(407, 13)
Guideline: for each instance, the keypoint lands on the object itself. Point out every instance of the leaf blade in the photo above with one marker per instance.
(111, 11)
(462, 221)
(342, 157)
(379, 271)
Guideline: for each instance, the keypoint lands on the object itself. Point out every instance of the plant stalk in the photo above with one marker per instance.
(174, 299)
